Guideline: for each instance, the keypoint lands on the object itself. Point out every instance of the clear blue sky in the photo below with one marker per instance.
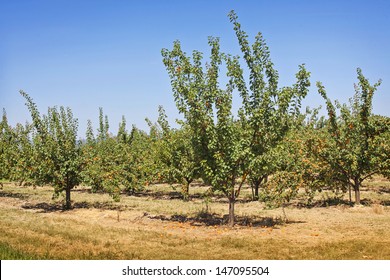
(91, 54)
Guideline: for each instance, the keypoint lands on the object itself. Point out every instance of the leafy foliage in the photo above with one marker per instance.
(112, 164)
(5, 147)
(58, 161)
(229, 149)
(354, 145)
(176, 155)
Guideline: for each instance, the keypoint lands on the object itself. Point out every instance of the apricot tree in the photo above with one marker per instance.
(58, 161)
(356, 143)
(227, 145)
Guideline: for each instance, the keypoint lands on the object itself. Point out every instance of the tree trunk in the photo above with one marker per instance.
(357, 195)
(357, 191)
(256, 186)
(67, 198)
(350, 194)
(186, 190)
(256, 197)
(231, 211)
(284, 214)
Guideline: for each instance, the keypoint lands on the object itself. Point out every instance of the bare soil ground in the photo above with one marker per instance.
(157, 224)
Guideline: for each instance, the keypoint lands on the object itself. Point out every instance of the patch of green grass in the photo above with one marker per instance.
(9, 253)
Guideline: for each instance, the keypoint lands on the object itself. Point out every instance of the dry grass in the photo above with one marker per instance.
(377, 209)
(158, 225)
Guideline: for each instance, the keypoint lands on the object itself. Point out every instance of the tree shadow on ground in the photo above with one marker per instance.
(159, 195)
(212, 219)
(84, 190)
(45, 207)
(383, 190)
(323, 203)
(174, 194)
(340, 202)
(14, 195)
(385, 203)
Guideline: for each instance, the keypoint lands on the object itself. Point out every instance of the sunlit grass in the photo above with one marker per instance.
(99, 228)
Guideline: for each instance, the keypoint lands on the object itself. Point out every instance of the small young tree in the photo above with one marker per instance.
(6, 144)
(99, 166)
(175, 154)
(289, 167)
(26, 159)
(55, 140)
(111, 163)
(356, 145)
(184, 168)
(141, 166)
(17, 153)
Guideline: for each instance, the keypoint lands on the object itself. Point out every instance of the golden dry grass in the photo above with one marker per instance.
(34, 225)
